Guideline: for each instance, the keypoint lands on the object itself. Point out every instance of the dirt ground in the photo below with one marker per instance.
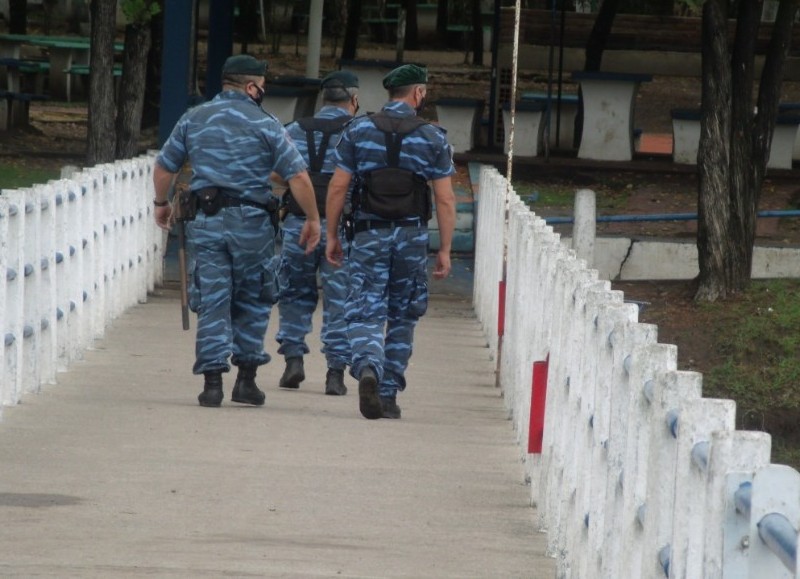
(57, 136)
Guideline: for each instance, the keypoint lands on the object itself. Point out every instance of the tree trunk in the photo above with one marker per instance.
(353, 25)
(477, 32)
(442, 16)
(131, 92)
(732, 162)
(152, 89)
(18, 16)
(101, 83)
(412, 29)
(599, 35)
(713, 202)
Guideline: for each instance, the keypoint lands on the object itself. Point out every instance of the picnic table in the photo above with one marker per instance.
(62, 51)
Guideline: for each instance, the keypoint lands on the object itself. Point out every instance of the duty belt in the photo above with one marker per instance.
(367, 224)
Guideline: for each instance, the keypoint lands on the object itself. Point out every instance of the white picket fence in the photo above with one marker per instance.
(74, 255)
(639, 475)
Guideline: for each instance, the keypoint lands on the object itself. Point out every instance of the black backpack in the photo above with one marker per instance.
(391, 192)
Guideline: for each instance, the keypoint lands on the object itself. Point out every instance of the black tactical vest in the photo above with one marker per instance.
(391, 192)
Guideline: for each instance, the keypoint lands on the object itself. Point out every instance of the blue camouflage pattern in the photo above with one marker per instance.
(235, 276)
(232, 143)
(388, 285)
(300, 299)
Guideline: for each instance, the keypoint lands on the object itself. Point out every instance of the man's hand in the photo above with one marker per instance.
(310, 235)
(163, 216)
(442, 268)
(333, 251)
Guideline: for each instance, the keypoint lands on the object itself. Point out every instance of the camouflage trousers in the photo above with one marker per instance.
(234, 281)
(300, 299)
(387, 294)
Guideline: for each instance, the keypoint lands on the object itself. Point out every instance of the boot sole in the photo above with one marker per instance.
(249, 401)
(368, 400)
(336, 391)
(292, 382)
(210, 403)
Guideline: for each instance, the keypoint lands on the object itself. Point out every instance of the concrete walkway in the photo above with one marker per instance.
(117, 472)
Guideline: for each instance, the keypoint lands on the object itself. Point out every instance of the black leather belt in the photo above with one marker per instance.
(367, 224)
(237, 202)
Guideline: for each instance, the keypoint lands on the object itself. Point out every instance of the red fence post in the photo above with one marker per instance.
(501, 309)
(538, 398)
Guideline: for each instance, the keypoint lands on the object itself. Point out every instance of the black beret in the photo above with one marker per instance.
(245, 64)
(340, 79)
(405, 75)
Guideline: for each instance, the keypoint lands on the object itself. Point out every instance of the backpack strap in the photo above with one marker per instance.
(394, 129)
(328, 128)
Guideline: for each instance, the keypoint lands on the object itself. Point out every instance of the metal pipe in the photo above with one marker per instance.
(781, 537)
(555, 220)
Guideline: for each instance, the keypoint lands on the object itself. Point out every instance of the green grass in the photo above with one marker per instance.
(15, 175)
(610, 195)
(758, 339)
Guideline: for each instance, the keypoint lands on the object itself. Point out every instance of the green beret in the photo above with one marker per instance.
(340, 79)
(405, 75)
(244, 64)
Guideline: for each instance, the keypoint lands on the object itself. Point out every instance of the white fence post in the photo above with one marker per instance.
(774, 522)
(638, 473)
(74, 255)
(697, 420)
(735, 456)
(649, 362)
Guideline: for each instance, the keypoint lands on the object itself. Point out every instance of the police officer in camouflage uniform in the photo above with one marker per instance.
(232, 146)
(393, 155)
(298, 302)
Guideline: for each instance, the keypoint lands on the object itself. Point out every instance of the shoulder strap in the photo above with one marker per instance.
(394, 129)
(328, 128)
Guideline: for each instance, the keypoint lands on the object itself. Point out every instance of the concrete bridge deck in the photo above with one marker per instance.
(117, 472)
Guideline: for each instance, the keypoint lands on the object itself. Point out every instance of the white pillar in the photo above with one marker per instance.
(314, 38)
(585, 229)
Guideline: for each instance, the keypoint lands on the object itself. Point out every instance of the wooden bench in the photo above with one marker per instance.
(17, 70)
(15, 108)
(628, 32)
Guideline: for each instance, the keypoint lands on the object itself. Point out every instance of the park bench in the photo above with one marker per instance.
(23, 74)
(686, 138)
(62, 51)
(15, 108)
(461, 118)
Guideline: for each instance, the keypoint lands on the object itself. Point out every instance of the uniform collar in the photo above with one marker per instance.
(233, 95)
(400, 107)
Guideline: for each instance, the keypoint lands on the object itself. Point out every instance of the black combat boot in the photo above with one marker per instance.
(390, 407)
(334, 383)
(294, 373)
(368, 401)
(245, 390)
(212, 389)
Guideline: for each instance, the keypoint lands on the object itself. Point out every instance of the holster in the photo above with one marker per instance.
(184, 203)
(209, 200)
